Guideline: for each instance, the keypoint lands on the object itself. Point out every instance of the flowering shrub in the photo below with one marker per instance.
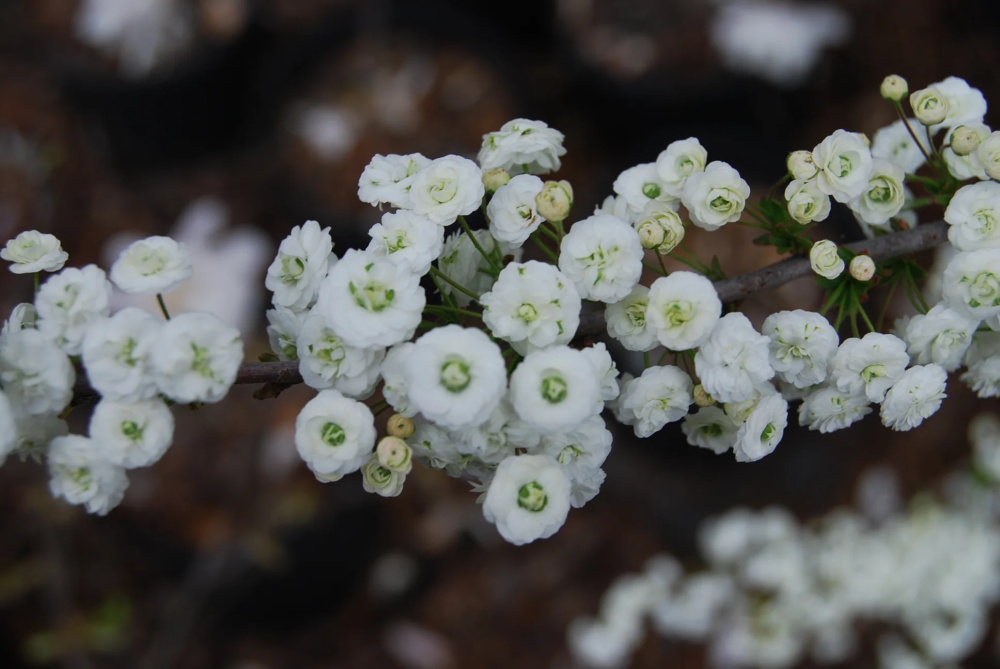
(476, 338)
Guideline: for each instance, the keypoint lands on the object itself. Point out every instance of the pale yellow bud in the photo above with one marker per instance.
(930, 106)
(862, 268)
(555, 200)
(650, 233)
(400, 426)
(965, 140)
(801, 165)
(381, 480)
(894, 88)
(493, 179)
(394, 454)
(701, 396)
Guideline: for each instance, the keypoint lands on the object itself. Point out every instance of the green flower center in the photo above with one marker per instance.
(132, 430)
(678, 313)
(455, 375)
(332, 434)
(651, 190)
(532, 497)
(527, 312)
(443, 190)
(200, 361)
(872, 372)
(292, 269)
(554, 388)
(767, 432)
(373, 296)
(985, 290)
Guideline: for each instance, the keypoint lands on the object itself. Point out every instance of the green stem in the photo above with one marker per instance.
(435, 309)
(663, 266)
(909, 129)
(475, 242)
(451, 282)
(163, 306)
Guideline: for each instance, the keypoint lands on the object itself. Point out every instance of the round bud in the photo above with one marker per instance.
(493, 179)
(701, 396)
(394, 454)
(555, 200)
(650, 233)
(862, 268)
(801, 165)
(930, 106)
(381, 480)
(965, 140)
(400, 426)
(988, 152)
(824, 259)
(894, 88)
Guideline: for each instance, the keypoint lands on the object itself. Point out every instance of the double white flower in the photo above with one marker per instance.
(512, 212)
(33, 251)
(659, 396)
(869, 366)
(715, 196)
(116, 354)
(802, 343)
(302, 261)
(334, 435)
(602, 256)
(845, 165)
(528, 498)
(683, 309)
(69, 302)
(555, 389)
(386, 179)
(152, 265)
(196, 357)
(734, 359)
(522, 145)
(447, 188)
(973, 216)
(917, 394)
(412, 241)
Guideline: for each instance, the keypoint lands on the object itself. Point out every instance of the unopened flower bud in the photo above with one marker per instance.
(988, 152)
(659, 227)
(400, 426)
(801, 165)
(701, 396)
(381, 480)
(493, 179)
(930, 106)
(965, 140)
(824, 259)
(394, 454)
(862, 268)
(894, 88)
(555, 200)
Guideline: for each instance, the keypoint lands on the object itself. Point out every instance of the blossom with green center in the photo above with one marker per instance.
(528, 498)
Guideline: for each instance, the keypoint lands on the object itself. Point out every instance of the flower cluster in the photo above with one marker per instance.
(137, 363)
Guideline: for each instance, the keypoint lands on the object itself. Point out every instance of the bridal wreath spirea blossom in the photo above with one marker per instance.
(512, 212)
(973, 216)
(33, 251)
(522, 146)
(81, 473)
(528, 498)
(455, 376)
(971, 283)
(802, 343)
(845, 165)
(69, 302)
(733, 360)
(715, 196)
(917, 394)
(387, 179)
(683, 309)
(870, 365)
(447, 188)
(152, 265)
(555, 389)
(370, 301)
(196, 357)
(334, 435)
(302, 261)
(116, 354)
(602, 256)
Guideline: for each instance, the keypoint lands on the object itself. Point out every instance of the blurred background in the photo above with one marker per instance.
(226, 122)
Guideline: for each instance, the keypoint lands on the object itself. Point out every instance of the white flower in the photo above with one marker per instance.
(140, 34)
(334, 435)
(512, 212)
(532, 305)
(966, 104)
(806, 203)
(940, 336)
(132, 434)
(884, 196)
(455, 376)
(626, 320)
(733, 361)
(895, 143)
(710, 428)
(23, 316)
(33, 251)
(641, 185)
(678, 161)
(659, 396)
(869, 366)
(968, 165)
(302, 261)
(394, 387)
(81, 473)
(325, 361)
(683, 308)
(35, 373)
(659, 227)
(35, 433)
(916, 395)
(493, 440)
(528, 498)
(521, 146)
(845, 165)
(617, 207)
(824, 259)
(715, 196)
(283, 326)
(152, 265)
(763, 429)
(971, 283)
(434, 447)
(581, 451)
(465, 265)
(973, 216)
(929, 105)
(116, 354)
(555, 389)
(69, 302)
(777, 41)
(447, 188)
(604, 369)
(801, 346)
(386, 179)
(602, 256)
(983, 362)
(406, 238)
(196, 357)
(381, 480)
(370, 301)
